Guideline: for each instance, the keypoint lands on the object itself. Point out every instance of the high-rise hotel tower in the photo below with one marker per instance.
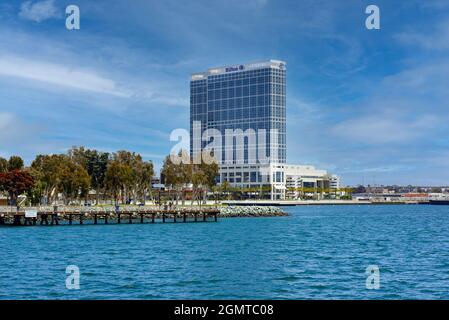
(242, 108)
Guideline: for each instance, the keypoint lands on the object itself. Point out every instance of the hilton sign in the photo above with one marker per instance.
(235, 68)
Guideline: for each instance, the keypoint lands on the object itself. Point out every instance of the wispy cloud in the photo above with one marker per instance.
(38, 11)
(385, 128)
(58, 75)
(429, 79)
(168, 100)
(436, 39)
(381, 169)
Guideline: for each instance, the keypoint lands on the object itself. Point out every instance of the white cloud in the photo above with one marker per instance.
(434, 40)
(301, 106)
(384, 128)
(108, 67)
(58, 75)
(38, 11)
(168, 100)
(369, 170)
(429, 79)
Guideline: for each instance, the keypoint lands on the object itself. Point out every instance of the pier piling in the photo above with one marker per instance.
(44, 219)
(54, 219)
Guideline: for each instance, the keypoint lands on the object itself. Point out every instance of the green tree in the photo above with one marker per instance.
(211, 173)
(176, 177)
(203, 179)
(199, 181)
(37, 192)
(15, 163)
(73, 180)
(169, 175)
(79, 156)
(95, 163)
(118, 178)
(3, 165)
(135, 163)
(46, 169)
(144, 174)
(97, 166)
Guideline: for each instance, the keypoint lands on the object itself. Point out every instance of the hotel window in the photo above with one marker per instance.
(253, 177)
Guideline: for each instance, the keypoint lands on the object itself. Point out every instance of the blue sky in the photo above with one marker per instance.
(369, 105)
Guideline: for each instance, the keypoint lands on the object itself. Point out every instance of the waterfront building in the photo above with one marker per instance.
(306, 179)
(244, 103)
(243, 108)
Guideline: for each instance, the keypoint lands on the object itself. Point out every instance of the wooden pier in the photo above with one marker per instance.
(57, 217)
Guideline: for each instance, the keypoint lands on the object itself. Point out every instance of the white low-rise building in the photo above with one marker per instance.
(267, 179)
(308, 178)
(279, 181)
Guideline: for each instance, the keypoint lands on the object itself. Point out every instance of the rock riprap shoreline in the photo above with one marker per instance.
(251, 211)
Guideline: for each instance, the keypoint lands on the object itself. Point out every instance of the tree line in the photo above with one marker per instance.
(122, 176)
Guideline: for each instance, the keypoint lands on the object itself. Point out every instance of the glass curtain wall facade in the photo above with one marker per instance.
(241, 97)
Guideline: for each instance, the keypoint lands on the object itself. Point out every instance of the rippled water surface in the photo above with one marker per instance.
(318, 252)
